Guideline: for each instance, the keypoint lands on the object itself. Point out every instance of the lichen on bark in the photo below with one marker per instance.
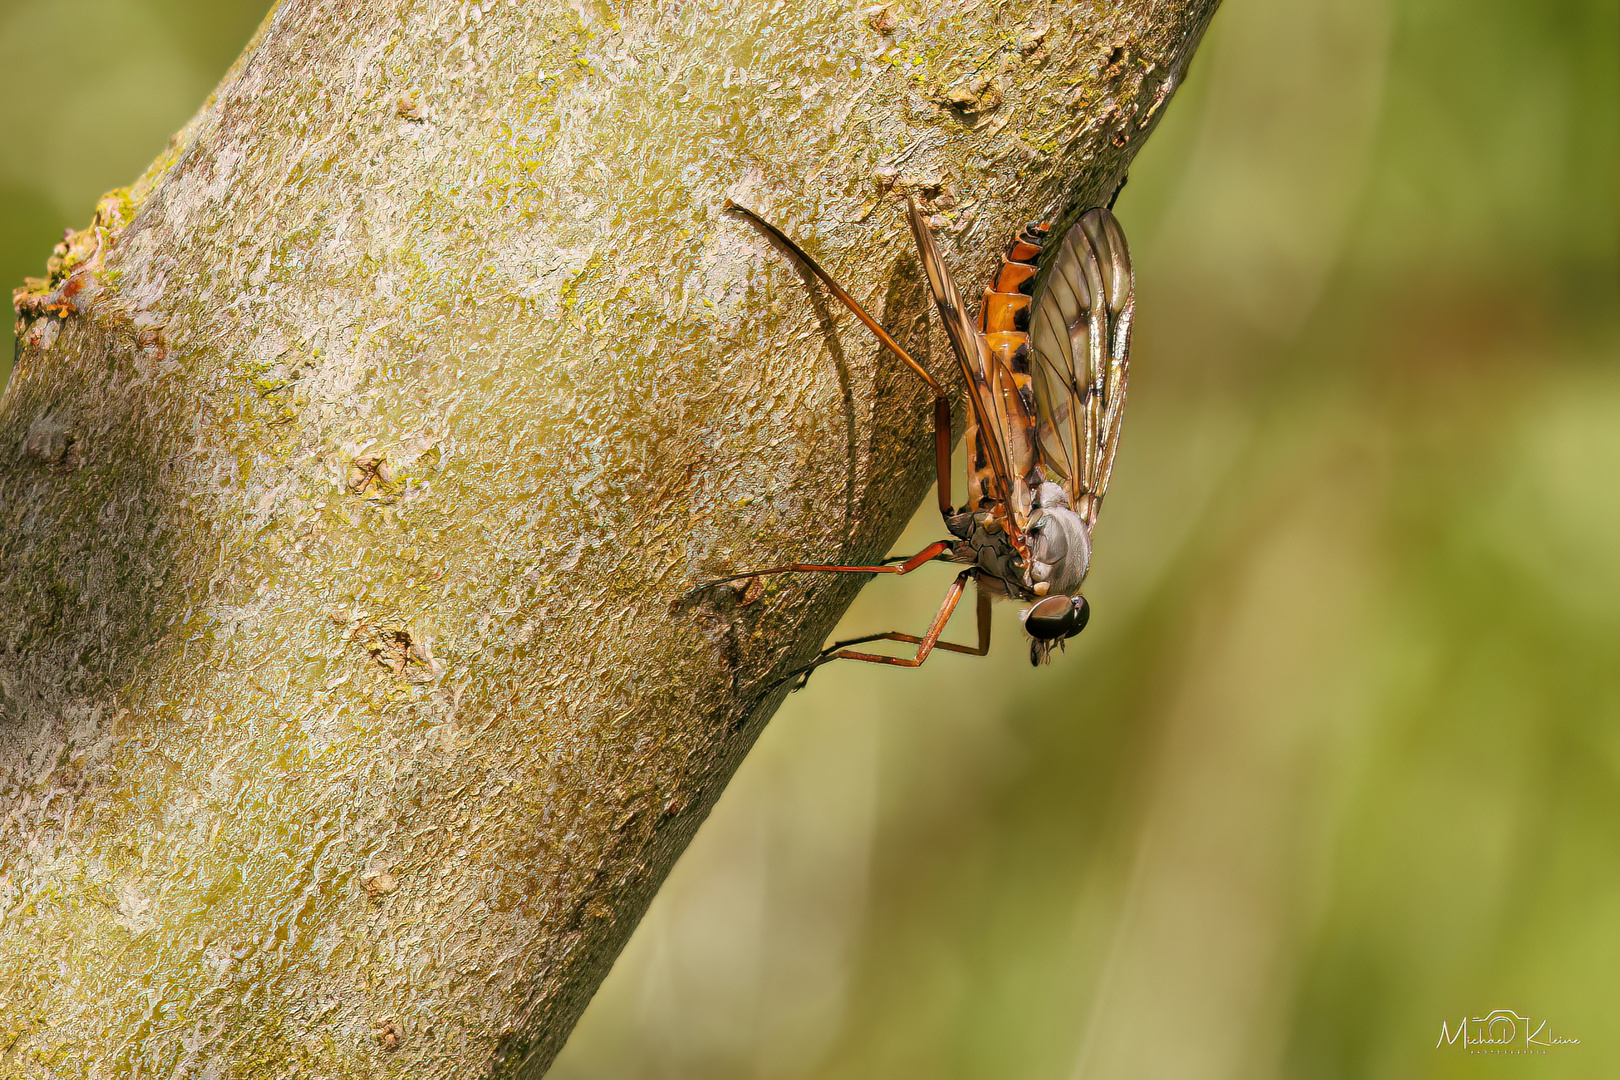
(364, 447)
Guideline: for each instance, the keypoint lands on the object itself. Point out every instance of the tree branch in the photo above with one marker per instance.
(366, 445)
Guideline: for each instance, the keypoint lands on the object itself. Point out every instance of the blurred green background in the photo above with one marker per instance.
(1339, 758)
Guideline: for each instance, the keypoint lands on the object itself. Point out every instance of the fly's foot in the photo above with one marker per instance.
(794, 680)
(740, 591)
(800, 676)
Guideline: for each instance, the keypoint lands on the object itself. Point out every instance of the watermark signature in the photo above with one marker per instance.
(1502, 1032)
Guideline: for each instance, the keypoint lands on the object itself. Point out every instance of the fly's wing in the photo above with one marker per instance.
(1001, 443)
(1080, 335)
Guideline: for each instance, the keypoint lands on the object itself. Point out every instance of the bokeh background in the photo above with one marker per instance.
(1339, 758)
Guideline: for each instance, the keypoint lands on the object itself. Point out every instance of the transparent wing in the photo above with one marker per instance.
(1080, 337)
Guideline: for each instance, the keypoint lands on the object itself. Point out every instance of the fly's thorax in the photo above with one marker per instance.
(1059, 548)
(992, 550)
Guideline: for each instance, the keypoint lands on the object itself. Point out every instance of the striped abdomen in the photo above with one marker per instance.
(1004, 322)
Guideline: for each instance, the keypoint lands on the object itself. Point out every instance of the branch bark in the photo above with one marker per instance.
(360, 452)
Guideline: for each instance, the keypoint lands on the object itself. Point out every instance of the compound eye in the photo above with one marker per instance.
(1051, 618)
(1079, 615)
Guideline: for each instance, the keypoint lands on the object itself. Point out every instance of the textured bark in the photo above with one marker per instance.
(356, 458)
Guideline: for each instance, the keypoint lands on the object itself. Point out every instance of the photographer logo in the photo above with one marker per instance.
(1502, 1032)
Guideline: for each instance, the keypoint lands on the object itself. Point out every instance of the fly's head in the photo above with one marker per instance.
(1053, 620)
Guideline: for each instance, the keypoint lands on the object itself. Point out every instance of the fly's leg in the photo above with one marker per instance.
(928, 554)
(942, 455)
(926, 644)
(942, 404)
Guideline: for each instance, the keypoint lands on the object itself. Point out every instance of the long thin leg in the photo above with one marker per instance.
(942, 404)
(925, 645)
(942, 455)
(835, 651)
(927, 554)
